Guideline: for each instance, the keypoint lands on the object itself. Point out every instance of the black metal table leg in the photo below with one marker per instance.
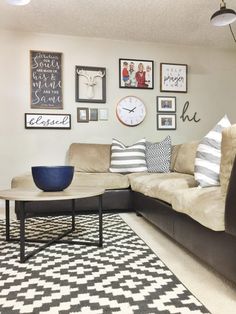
(7, 207)
(100, 243)
(22, 232)
(73, 215)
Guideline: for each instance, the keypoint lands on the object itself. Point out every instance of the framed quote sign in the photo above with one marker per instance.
(47, 121)
(173, 77)
(46, 80)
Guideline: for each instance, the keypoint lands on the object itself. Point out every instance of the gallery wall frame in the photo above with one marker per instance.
(103, 114)
(47, 121)
(136, 74)
(83, 114)
(166, 121)
(174, 77)
(46, 80)
(90, 84)
(166, 103)
(93, 114)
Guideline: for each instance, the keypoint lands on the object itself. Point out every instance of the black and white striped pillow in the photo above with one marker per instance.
(126, 159)
(158, 155)
(208, 156)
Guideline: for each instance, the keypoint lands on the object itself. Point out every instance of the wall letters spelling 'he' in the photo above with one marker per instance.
(46, 80)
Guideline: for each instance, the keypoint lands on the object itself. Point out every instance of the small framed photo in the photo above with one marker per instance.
(173, 77)
(166, 104)
(82, 114)
(103, 114)
(166, 121)
(135, 73)
(93, 114)
(90, 84)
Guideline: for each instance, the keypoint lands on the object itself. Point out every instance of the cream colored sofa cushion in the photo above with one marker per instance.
(228, 152)
(205, 205)
(161, 185)
(185, 159)
(90, 157)
(106, 180)
(23, 181)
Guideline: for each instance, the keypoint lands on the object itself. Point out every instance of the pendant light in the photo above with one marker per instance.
(18, 2)
(223, 16)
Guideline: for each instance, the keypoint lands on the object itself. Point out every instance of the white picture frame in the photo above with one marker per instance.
(103, 114)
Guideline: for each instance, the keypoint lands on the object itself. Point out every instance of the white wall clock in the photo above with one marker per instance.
(130, 110)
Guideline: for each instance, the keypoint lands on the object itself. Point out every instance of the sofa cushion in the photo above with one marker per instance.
(105, 180)
(126, 159)
(228, 152)
(208, 156)
(185, 159)
(206, 206)
(161, 185)
(158, 155)
(174, 153)
(90, 157)
(23, 181)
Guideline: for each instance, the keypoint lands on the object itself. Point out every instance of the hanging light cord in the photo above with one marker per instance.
(232, 33)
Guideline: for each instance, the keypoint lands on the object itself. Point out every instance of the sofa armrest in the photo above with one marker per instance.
(23, 181)
(230, 203)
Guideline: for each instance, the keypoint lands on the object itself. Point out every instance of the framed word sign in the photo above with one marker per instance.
(47, 121)
(173, 77)
(46, 80)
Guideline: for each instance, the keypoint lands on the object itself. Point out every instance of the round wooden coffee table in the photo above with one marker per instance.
(26, 195)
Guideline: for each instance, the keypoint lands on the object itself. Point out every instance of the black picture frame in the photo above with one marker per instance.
(166, 104)
(87, 89)
(129, 77)
(173, 78)
(166, 121)
(47, 121)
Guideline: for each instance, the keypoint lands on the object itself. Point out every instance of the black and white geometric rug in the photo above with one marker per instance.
(124, 276)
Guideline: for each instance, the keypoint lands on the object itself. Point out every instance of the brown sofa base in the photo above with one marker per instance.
(217, 249)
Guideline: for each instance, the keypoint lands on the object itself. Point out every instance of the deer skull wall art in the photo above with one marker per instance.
(90, 80)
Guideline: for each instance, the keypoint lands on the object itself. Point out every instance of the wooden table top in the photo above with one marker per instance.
(38, 195)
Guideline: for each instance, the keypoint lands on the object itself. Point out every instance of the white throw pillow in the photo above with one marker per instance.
(126, 159)
(208, 156)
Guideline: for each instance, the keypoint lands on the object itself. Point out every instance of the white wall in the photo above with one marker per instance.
(211, 92)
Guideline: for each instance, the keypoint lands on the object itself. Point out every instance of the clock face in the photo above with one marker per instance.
(131, 110)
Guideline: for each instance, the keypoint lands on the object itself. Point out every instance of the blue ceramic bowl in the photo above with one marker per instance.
(52, 179)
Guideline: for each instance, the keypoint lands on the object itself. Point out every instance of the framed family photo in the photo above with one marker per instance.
(166, 121)
(166, 104)
(173, 77)
(135, 73)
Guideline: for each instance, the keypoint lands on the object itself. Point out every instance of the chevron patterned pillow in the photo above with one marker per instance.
(126, 159)
(208, 156)
(158, 155)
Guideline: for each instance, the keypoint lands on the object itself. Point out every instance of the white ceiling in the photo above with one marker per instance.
(183, 22)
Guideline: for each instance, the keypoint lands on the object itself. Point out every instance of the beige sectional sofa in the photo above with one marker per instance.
(195, 217)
